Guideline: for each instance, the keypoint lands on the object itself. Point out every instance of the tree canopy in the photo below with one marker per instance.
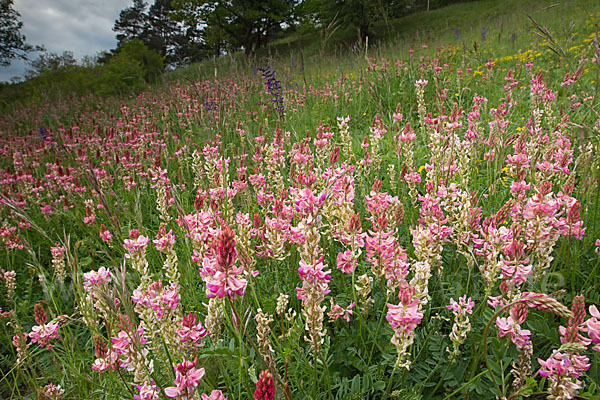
(12, 41)
(235, 24)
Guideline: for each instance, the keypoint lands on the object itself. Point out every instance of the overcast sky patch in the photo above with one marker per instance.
(81, 26)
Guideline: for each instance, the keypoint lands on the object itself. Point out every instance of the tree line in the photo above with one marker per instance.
(172, 33)
(185, 31)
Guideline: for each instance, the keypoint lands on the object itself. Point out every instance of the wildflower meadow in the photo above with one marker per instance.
(414, 220)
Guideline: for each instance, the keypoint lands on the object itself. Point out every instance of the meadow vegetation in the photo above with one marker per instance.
(416, 218)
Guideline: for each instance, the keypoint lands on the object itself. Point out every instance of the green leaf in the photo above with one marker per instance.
(85, 261)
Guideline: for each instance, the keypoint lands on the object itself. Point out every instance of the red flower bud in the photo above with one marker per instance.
(265, 387)
(39, 313)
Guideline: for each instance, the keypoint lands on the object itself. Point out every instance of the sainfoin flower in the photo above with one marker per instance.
(51, 392)
(345, 261)
(214, 395)
(592, 326)
(96, 278)
(128, 350)
(562, 371)
(337, 311)
(160, 300)
(164, 240)
(187, 379)
(192, 331)
(218, 270)
(39, 313)
(42, 334)
(58, 262)
(508, 326)
(265, 387)
(315, 285)
(105, 234)
(135, 246)
(148, 391)
(461, 326)
(403, 318)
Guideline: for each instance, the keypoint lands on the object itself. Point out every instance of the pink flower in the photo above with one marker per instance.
(314, 277)
(96, 278)
(125, 349)
(164, 241)
(345, 261)
(42, 334)
(52, 392)
(19, 341)
(561, 369)
(508, 326)
(214, 395)
(404, 317)
(100, 365)
(337, 311)
(305, 201)
(148, 391)
(90, 216)
(592, 327)
(57, 252)
(191, 330)
(136, 246)
(572, 333)
(187, 379)
(105, 234)
(159, 299)
(218, 269)
(462, 306)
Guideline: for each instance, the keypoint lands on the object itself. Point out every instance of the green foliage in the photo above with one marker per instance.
(54, 76)
(121, 74)
(52, 64)
(235, 24)
(12, 41)
(156, 29)
(132, 22)
(135, 51)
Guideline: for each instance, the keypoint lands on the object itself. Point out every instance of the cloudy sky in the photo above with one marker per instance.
(81, 26)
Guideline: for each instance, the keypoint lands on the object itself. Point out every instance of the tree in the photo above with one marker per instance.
(51, 62)
(155, 28)
(162, 33)
(12, 41)
(131, 69)
(360, 14)
(247, 24)
(132, 22)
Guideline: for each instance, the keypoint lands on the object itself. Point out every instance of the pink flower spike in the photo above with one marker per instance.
(592, 327)
(135, 246)
(462, 306)
(148, 391)
(214, 395)
(42, 334)
(187, 379)
(508, 326)
(345, 261)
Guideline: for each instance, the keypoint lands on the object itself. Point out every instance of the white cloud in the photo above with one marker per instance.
(81, 26)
